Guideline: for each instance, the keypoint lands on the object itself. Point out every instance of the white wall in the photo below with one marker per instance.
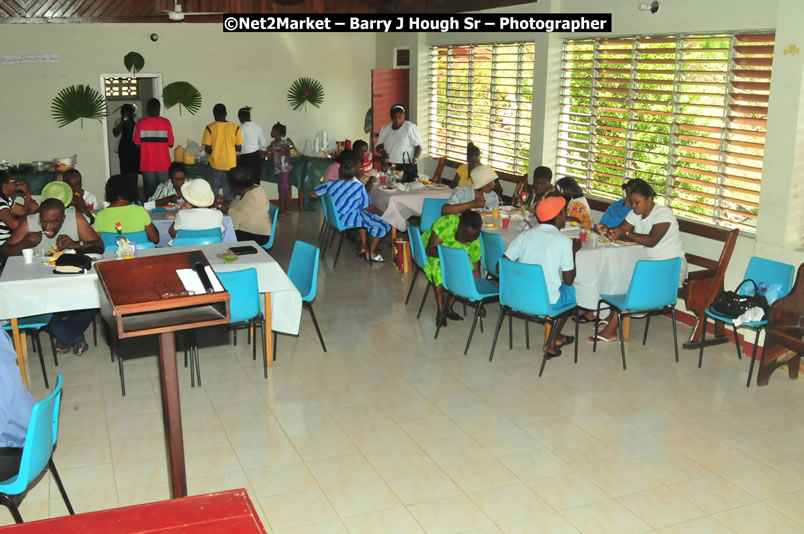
(236, 69)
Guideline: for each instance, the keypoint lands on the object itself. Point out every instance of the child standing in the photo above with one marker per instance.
(280, 154)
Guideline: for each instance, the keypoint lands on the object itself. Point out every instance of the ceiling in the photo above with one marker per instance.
(66, 11)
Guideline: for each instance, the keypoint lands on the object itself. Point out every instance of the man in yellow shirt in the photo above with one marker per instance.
(222, 141)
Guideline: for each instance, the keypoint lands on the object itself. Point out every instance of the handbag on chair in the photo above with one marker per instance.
(731, 304)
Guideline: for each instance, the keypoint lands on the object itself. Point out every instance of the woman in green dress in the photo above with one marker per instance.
(454, 231)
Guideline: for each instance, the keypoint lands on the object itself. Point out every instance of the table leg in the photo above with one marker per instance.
(266, 332)
(626, 327)
(24, 345)
(171, 411)
(393, 235)
(15, 337)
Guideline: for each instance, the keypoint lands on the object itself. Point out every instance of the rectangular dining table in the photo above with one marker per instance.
(398, 205)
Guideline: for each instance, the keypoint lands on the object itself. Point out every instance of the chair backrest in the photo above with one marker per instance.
(209, 232)
(330, 213)
(417, 249)
(303, 269)
(523, 288)
(110, 239)
(244, 292)
(431, 211)
(761, 270)
(493, 249)
(199, 240)
(654, 285)
(273, 213)
(43, 430)
(456, 272)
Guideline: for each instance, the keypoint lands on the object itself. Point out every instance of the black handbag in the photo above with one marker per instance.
(731, 304)
(410, 172)
(72, 264)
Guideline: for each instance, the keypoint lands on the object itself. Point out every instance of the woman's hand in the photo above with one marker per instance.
(602, 229)
(615, 233)
(22, 187)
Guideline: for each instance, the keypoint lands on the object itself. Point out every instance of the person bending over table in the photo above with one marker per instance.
(11, 213)
(57, 228)
(83, 201)
(170, 192)
(453, 231)
(578, 209)
(653, 226)
(545, 245)
(249, 208)
(16, 404)
(397, 138)
(121, 196)
(354, 208)
(197, 214)
(618, 210)
(479, 194)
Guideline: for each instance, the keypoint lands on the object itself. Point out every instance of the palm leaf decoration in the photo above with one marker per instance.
(182, 94)
(78, 102)
(134, 62)
(305, 91)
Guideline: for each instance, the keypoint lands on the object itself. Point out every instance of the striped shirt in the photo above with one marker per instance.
(154, 135)
(5, 204)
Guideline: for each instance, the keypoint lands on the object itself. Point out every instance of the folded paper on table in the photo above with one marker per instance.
(192, 282)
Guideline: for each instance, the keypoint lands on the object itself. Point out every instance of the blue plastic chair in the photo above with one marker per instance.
(198, 240)
(523, 291)
(110, 239)
(303, 272)
(431, 211)
(273, 213)
(760, 270)
(209, 232)
(459, 280)
(653, 290)
(417, 250)
(37, 453)
(32, 326)
(493, 249)
(337, 226)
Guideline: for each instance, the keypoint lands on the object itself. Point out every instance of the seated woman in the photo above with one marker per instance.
(578, 209)
(249, 209)
(538, 191)
(361, 150)
(332, 171)
(462, 172)
(479, 194)
(197, 214)
(618, 210)
(354, 207)
(121, 195)
(170, 192)
(11, 213)
(653, 226)
(454, 231)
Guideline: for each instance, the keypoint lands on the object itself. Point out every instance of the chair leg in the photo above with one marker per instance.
(338, 253)
(273, 346)
(264, 349)
(57, 478)
(472, 330)
(597, 326)
(737, 342)
(527, 333)
(321, 231)
(497, 332)
(703, 339)
(53, 348)
(412, 283)
(647, 325)
(248, 335)
(424, 298)
(442, 316)
(38, 343)
(577, 321)
(510, 331)
(95, 330)
(753, 359)
(7, 501)
(234, 336)
(197, 367)
(675, 333)
(253, 345)
(620, 334)
(550, 339)
(317, 330)
(120, 368)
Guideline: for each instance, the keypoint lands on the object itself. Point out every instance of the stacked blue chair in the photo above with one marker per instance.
(273, 213)
(37, 454)
(431, 211)
(761, 271)
(653, 290)
(459, 281)
(32, 326)
(336, 225)
(493, 249)
(110, 240)
(523, 290)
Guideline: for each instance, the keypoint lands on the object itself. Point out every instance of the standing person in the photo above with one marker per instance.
(154, 135)
(397, 138)
(16, 405)
(280, 154)
(127, 151)
(254, 144)
(222, 140)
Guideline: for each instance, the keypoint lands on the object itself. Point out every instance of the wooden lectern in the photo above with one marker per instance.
(145, 296)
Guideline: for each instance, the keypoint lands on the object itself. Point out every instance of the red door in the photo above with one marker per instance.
(388, 87)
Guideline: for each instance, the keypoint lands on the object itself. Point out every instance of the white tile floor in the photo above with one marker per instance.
(391, 432)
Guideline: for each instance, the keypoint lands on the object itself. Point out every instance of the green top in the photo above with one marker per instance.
(445, 228)
(133, 218)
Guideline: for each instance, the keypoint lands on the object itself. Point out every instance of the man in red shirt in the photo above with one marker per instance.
(154, 135)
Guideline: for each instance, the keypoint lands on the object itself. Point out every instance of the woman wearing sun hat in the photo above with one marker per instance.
(480, 194)
(197, 214)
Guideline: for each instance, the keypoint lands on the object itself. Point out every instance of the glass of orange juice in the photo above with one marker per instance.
(495, 213)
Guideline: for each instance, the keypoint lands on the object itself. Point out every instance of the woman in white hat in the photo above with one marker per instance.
(197, 214)
(480, 194)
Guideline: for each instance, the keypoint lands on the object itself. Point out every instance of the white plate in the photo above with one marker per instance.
(94, 255)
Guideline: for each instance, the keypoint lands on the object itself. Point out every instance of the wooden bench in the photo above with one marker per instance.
(702, 285)
(784, 335)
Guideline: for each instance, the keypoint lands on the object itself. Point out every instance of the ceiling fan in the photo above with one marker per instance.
(177, 14)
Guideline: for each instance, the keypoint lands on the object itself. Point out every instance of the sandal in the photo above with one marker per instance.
(568, 340)
(600, 339)
(375, 259)
(80, 347)
(454, 316)
(61, 349)
(551, 355)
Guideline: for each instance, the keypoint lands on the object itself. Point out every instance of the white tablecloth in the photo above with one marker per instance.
(398, 206)
(33, 289)
(162, 223)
